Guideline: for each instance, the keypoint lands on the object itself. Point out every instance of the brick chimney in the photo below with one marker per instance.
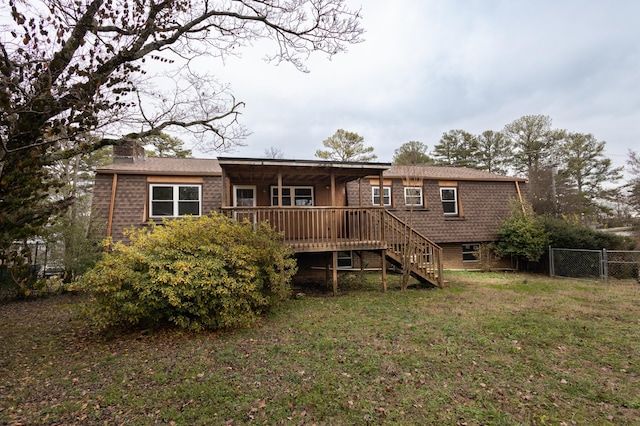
(130, 152)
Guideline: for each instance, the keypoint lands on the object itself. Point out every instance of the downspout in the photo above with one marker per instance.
(520, 197)
(112, 203)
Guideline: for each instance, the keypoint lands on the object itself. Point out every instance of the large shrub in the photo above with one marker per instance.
(522, 235)
(207, 272)
(566, 234)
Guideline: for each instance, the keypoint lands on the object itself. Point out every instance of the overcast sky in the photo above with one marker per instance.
(427, 67)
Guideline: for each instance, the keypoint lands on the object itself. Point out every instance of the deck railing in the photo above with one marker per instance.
(308, 229)
(318, 228)
(412, 250)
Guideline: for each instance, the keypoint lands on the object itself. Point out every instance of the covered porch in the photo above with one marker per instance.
(307, 201)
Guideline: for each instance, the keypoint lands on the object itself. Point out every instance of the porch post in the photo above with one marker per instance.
(381, 189)
(225, 193)
(333, 189)
(335, 273)
(279, 188)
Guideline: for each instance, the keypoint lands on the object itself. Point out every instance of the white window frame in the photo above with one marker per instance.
(295, 199)
(471, 249)
(454, 201)
(235, 194)
(175, 198)
(386, 193)
(408, 198)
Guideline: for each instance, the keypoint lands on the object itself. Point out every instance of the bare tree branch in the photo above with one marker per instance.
(70, 68)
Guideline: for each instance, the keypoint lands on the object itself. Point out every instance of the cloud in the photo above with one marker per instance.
(429, 67)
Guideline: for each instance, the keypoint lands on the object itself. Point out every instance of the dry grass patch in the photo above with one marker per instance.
(489, 349)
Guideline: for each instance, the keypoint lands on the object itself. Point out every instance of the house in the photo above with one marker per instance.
(460, 209)
(328, 211)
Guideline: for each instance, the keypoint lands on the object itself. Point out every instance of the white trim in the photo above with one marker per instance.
(385, 190)
(454, 201)
(420, 202)
(175, 198)
(235, 194)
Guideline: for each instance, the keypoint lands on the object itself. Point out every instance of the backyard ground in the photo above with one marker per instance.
(491, 348)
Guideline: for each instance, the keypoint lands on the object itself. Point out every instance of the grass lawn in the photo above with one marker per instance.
(491, 348)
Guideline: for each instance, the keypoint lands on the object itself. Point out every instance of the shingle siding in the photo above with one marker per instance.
(482, 206)
(129, 207)
(132, 197)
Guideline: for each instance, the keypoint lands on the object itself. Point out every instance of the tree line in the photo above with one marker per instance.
(568, 172)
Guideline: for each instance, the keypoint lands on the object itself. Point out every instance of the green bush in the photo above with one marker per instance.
(565, 234)
(522, 235)
(198, 273)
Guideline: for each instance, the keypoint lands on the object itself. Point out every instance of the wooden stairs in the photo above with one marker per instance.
(407, 248)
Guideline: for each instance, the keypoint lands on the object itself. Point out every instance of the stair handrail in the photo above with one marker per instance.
(419, 248)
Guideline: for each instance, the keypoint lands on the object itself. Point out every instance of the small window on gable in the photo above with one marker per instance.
(175, 200)
(470, 252)
(413, 195)
(449, 198)
(386, 193)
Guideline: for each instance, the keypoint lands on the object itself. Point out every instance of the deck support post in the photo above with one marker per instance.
(383, 257)
(335, 273)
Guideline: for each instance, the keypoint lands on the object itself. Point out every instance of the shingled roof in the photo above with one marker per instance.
(211, 167)
(166, 166)
(446, 173)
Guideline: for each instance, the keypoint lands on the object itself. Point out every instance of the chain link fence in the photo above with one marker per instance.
(598, 264)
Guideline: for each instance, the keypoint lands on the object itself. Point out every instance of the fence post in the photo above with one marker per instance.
(551, 266)
(605, 265)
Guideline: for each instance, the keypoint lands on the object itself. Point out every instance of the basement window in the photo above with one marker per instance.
(345, 259)
(471, 252)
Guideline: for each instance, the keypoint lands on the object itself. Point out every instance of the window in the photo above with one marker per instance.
(413, 195)
(386, 193)
(344, 259)
(293, 196)
(449, 197)
(175, 200)
(244, 196)
(470, 252)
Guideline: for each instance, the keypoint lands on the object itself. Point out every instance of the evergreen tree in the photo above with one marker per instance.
(456, 148)
(412, 152)
(584, 169)
(634, 185)
(346, 146)
(163, 145)
(533, 142)
(493, 152)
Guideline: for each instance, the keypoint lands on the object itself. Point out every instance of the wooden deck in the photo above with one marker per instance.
(333, 229)
(321, 229)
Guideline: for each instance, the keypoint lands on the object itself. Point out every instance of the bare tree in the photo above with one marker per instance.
(71, 67)
(273, 152)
